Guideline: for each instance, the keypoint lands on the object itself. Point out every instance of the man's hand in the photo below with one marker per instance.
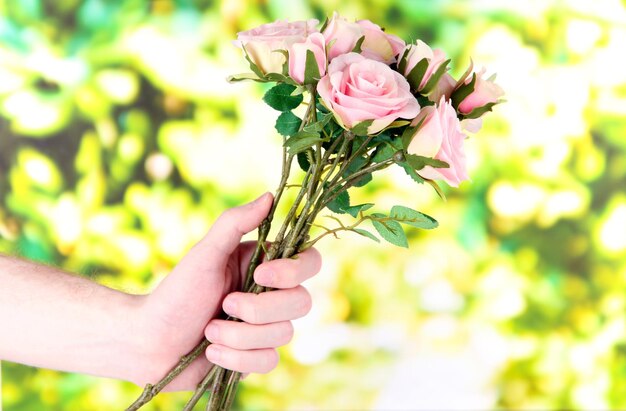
(174, 317)
(52, 319)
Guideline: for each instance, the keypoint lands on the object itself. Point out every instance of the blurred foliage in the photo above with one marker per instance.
(120, 142)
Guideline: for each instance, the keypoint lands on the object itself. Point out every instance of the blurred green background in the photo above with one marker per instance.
(121, 141)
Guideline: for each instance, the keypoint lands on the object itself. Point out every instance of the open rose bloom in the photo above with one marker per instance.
(353, 100)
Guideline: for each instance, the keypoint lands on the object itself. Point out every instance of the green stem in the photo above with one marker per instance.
(217, 390)
(150, 391)
(201, 389)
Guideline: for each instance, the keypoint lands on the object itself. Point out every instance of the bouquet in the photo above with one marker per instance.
(353, 101)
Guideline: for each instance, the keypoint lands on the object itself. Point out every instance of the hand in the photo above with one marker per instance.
(174, 317)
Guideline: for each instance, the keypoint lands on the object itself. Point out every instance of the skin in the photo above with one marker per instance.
(52, 319)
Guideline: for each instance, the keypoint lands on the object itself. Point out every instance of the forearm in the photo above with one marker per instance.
(56, 320)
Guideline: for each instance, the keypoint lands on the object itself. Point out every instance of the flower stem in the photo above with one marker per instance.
(150, 391)
(202, 387)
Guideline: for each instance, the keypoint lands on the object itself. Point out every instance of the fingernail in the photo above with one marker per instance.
(230, 306)
(266, 277)
(212, 332)
(213, 354)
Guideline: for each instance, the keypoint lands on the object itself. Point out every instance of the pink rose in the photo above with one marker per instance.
(261, 43)
(444, 88)
(341, 36)
(297, 56)
(440, 137)
(379, 45)
(419, 51)
(485, 92)
(357, 89)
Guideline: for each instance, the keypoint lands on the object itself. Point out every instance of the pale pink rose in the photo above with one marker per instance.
(261, 43)
(440, 137)
(379, 45)
(419, 51)
(297, 56)
(341, 36)
(485, 92)
(357, 89)
(444, 88)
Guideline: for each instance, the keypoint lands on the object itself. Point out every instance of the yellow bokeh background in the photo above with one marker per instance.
(121, 142)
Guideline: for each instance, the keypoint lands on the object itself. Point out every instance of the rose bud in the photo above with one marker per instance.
(379, 45)
(262, 43)
(485, 92)
(341, 36)
(416, 53)
(298, 52)
(439, 136)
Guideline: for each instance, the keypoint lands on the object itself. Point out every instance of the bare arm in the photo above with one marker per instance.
(52, 319)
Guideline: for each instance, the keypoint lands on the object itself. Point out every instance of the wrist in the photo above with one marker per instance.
(132, 339)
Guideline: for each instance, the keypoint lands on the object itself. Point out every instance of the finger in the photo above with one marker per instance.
(243, 336)
(259, 361)
(289, 272)
(185, 288)
(268, 307)
(225, 234)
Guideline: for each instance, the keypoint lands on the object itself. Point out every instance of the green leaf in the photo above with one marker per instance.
(302, 141)
(361, 129)
(255, 69)
(462, 92)
(389, 229)
(386, 150)
(382, 138)
(479, 111)
(413, 218)
(408, 134)
(357, 164)
(357, 46)
(356, 209)
(280, 98)
(416, 74)
(434, 78)
(243, 76)
(412, 173)
(340, 203)
(319, 125)
(311, 69)
(288, 124)
(419, 162)
(280, 78)
(324, 25)
(303, 161)
(437, 189)
(366, 233)
(402, 61)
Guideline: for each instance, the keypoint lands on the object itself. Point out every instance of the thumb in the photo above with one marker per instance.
(225, 234)
(185, 289)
